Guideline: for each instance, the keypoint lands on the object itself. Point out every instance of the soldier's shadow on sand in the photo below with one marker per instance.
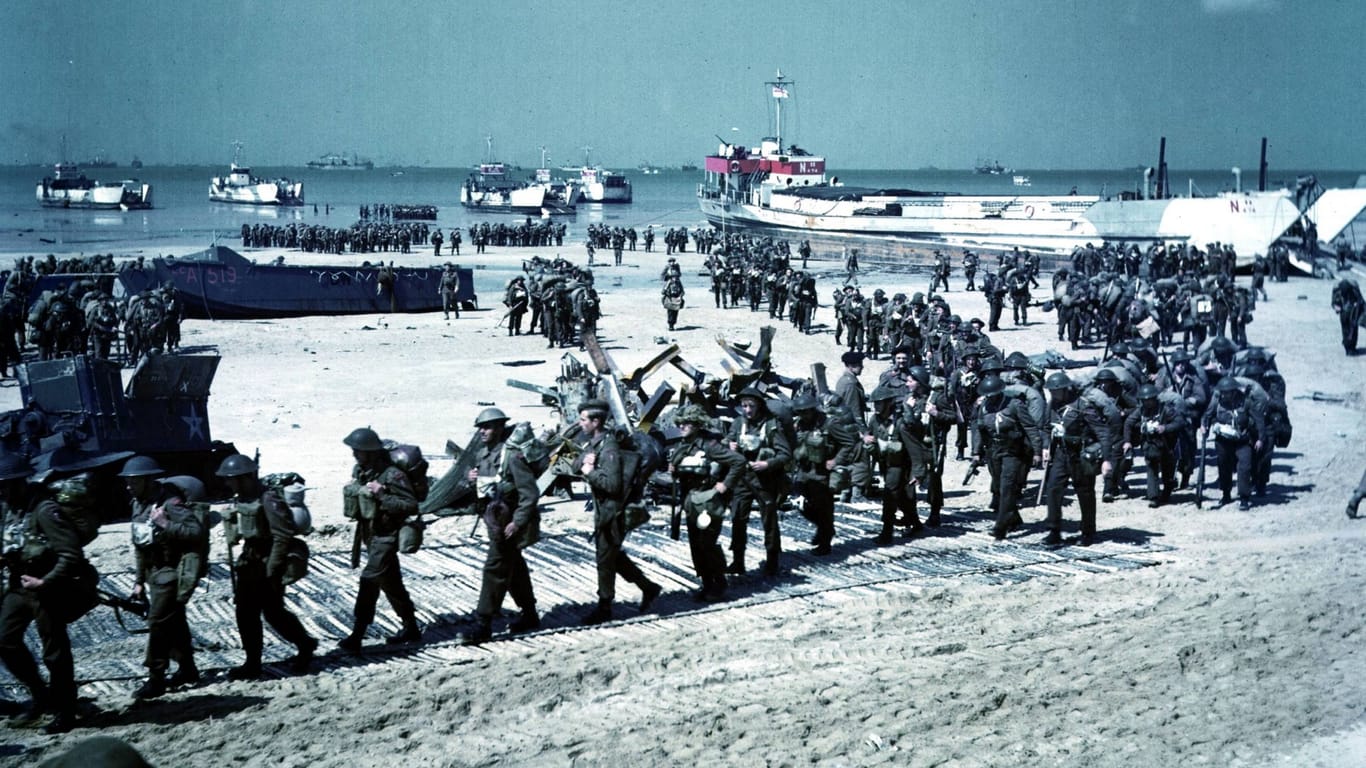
(181, 709)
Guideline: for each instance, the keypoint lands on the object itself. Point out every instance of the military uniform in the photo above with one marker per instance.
(508, 492)
(605, 480)
(1078, 443)
(702, 467)
(1006, 439)
(266, 526)
(41, 543)
(1157, 426)
(1238, 431)
(381, 514)
(760, 440)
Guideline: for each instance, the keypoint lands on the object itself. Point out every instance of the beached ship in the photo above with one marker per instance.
(490, 189)
(219, 283)
(241, 187)
(340, 162)
(779, 190)
(599, 185)
(69, 188)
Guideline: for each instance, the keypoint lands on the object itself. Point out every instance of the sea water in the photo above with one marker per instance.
(183, 219)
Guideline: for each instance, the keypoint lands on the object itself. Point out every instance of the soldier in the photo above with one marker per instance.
(706, 473)
(47, 583)
(1157, 425)
(926, 414)
(173, 312)
(1019, 295)
(1238, 431)
(850, 389)
(164, 534)
(757, 435)
(1350, 306)
(940, 273)
(995, 290)
(266, 526)
(1006, 440)
(1105, 394)
(1076, 450)
(382, 499)
(814, 455)
(672, 299)
(449, 289)
(506, 487)
(516, 299)
(889, 450)
(970, 262)
(437, 240)
(855, 311)
(455, 241)
(386, 280)
(599, 463)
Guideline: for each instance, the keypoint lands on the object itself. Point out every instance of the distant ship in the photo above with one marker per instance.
(239, 186)
(647, 169)
(100, 161)
(69, 188)
(688, 167)
(339, 162)
(490, 189)
(993, 168)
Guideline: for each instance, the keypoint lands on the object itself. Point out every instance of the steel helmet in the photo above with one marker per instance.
(1147, 392)
(692, 414)
(191, 488)
(1106, 375)
(13, 466)
(1016, 361)
(75, 491)
(1058, 380)
(991, 384)
(236, 465)
(921, 375)
(883, 392)
(489, 416)
(1227, 384)
(364, 439)
(142, 466)
(805, 404)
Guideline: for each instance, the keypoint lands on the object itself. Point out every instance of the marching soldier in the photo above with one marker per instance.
(757, 435)
(47, 574)
(970, 263)
(1238, 431)
(164, 534)
(1349, 304)
(382, 499)
(265, 526)
(707, 472)
(1006, 440)
(506, 487)
(926, 414)
(822, 454)
(672, 299)
(1156, 424)
(599, 464)
(1079, 434)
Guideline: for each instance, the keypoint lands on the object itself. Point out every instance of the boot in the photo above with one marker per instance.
(737, 564)
(409, 634)
(483, 631)
(526, 622)
(154, 687)
(602, 613)
(352, 642)
(186, 675)
(649, 592)
(1054, 539)
(885, 537)
(248, 671)
(303, 660)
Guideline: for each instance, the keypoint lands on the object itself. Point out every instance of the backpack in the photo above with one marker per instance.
(409, 459)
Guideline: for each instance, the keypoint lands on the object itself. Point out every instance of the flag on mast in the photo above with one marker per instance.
(779, 92)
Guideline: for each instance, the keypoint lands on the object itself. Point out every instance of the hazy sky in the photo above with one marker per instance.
(1036, 84)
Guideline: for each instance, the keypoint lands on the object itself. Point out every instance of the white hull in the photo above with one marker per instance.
(240, 187)
(598, 193)
(102, 195)
(1250, 222)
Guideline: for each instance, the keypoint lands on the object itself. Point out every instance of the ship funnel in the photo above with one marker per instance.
(1147, 179)
(1237, 179)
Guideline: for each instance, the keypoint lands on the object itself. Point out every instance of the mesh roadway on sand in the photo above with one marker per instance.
(444, 582)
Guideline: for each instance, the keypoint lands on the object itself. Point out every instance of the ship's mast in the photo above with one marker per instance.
(778, 87)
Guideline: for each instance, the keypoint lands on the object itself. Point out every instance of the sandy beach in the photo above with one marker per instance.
(1239, 645)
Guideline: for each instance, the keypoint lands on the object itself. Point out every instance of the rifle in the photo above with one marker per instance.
(1052, 444)
(675, 514)
(137, 606)
(357, 539)
(973, 468)
(1200, 471)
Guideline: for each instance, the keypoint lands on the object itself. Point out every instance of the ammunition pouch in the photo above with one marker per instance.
(1090, 460)
(296, 561)
(410, 535)
(840, 479)
(893, 452)
(250, 520)
(812, 449)
(369, 507)
(351, 501)
(192, 567)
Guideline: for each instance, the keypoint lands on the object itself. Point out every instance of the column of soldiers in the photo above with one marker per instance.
(365, 236)
(527, 233)
(85, 318)
(393, 212)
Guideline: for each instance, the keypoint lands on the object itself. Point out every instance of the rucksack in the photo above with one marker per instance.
(409, 459)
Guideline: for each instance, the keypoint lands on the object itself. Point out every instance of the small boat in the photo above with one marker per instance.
(69, 188)
(647, 169)
(1021, 181)
(219, 283)
(598, 184)
(490, 189)
(339, 162)
(241, 187)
